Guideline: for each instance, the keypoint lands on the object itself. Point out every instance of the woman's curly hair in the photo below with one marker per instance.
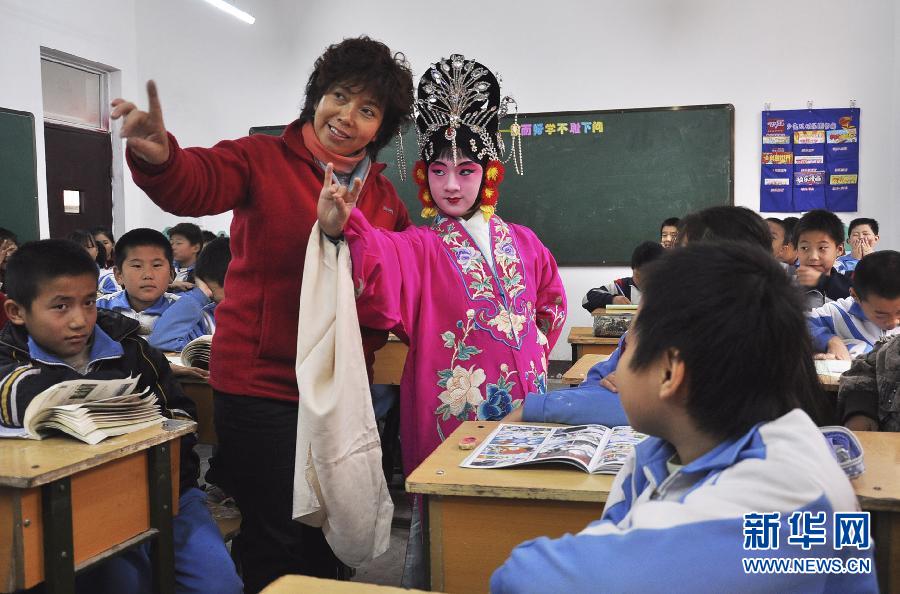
(366, 64)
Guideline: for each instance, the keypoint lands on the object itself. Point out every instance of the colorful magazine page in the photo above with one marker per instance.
(593, 448)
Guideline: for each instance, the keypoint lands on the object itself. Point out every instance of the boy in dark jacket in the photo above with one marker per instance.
(624, 291)
(57, 334)
(819, 239)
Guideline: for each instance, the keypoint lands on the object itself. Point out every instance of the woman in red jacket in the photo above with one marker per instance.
(357, 97)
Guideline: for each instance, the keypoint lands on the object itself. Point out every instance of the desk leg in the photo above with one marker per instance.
(426, 536)
(574, 354)
(886, 531)
(59, 554)
(162, 551)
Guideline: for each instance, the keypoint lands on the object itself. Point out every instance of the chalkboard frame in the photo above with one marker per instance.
(32, 219)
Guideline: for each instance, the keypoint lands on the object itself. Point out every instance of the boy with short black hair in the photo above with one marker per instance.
(668, 232)
(778, 231)
(187, 241)
(716, 223)
(850, 327)
(782, 248)
(208, 236)
(143, 268)
(819, 239)
(788, 251)
(862, 235)
(56, 334)
(724, 407)
(212, 264)
(624, 291)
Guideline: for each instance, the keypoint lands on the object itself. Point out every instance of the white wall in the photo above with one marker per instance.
(605, 55)
(218, 76)
(78, 28)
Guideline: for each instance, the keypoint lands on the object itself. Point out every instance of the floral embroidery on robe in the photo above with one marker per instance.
(479, 335)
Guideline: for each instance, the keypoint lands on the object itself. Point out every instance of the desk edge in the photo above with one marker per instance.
(170, 434)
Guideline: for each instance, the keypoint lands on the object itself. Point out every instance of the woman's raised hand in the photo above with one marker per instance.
(336, 202)
(144, 130)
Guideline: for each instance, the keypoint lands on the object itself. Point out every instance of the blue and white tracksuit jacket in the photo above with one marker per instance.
(846, 319)
(106, 283)
(845, 264)
(684, 531)
(170, 323)
(587, 403)
(185, 273)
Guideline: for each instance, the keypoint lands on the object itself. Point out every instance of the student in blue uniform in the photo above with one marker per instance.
(187, 241)
(627, 290)
(850, 327)
(57, 334)
(819, 239)
(862, 234)
(144, 269)
(723, 402)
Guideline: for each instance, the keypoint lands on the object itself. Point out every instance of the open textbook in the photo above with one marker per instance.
(89, 410)
(195, 353)
(593, 448)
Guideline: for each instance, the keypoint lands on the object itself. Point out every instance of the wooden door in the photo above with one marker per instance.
(79, 168)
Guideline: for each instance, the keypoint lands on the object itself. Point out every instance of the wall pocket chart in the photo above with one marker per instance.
(810, 159)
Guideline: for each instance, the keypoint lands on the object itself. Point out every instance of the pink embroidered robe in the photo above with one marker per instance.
(479, 338)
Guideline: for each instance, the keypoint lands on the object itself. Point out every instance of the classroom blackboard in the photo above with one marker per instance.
(597, 183)
(18, 174)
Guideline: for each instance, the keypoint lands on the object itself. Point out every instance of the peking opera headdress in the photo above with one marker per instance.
(458, 104)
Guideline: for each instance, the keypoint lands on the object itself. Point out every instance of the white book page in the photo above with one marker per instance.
(74, 391)
(832, 367)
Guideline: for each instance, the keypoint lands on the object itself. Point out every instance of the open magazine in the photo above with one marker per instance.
(89, 410)
(593, 448)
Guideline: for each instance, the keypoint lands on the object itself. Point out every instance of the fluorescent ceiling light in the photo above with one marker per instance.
(232, 10)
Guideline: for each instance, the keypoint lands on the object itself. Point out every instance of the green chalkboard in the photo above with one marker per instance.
(605, 183)
(18, 174)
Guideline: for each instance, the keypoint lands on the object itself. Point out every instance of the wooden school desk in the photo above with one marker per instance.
(296, 584)
(584, 342)
(878, 491)
(576, 373)
(475, 517)
(65, 505)
(389, 361)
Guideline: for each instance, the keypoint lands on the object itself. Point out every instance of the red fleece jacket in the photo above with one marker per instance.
(272, 184)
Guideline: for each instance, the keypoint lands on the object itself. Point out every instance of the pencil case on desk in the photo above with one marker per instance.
(846, 449)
